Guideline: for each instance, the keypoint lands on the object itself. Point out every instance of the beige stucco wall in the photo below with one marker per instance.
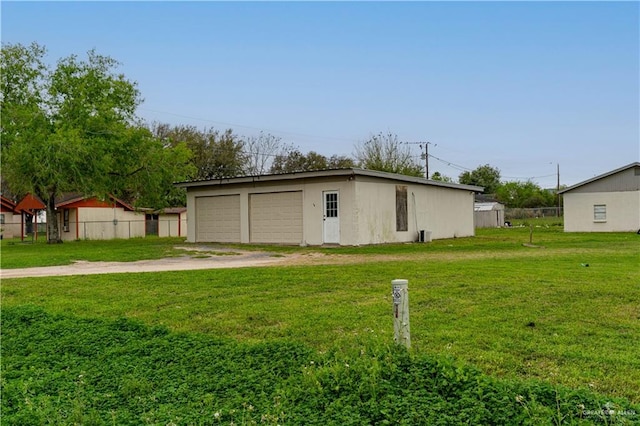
(444, 212)
(11, 226)
(73, 219)
(623, 211)
(97, 223)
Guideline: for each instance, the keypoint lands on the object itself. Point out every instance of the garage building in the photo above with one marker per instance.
(346, 207)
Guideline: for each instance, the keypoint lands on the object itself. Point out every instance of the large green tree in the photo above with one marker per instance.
(384, 152)
(485, 176)
(72, 128)
(216, 154)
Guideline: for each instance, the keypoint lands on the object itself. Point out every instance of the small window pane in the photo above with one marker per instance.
(600, 212)
(331, 203)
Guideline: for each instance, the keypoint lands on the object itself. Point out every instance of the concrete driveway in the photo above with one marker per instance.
(220, 259)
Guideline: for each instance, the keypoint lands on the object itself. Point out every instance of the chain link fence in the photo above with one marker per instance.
(539, 212)
(106, 230)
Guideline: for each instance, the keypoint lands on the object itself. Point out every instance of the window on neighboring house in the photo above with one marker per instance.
(600, 212)
(402, 215)
(65, 220)
(2, 219)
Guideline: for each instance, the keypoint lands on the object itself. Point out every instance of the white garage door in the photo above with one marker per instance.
(218, 219)
(276, 217)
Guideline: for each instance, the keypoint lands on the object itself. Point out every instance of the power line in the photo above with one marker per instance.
(466, 169)
(451, 164)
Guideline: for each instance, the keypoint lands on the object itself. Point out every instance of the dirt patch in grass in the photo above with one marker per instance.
(205, 257)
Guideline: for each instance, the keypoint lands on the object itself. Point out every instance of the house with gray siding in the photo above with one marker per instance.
(609, 202)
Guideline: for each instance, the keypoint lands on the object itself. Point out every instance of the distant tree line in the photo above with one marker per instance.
(513, 194)
(224, 154)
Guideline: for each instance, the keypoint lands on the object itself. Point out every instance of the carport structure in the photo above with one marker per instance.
(29, 205)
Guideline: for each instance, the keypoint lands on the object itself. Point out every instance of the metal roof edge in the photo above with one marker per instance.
(419, 180)
(326, 173)
(602, 176)
(265, 178)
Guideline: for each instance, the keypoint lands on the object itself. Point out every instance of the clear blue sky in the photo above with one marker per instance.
(521, 86)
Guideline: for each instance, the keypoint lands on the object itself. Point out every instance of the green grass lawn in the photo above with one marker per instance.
(515, 312)
(17, 254)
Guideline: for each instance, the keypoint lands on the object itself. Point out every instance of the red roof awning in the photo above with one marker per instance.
(30, 203)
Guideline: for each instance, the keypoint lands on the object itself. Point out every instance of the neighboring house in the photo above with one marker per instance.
(346, 207)
(89, 218)
(172, 222)
(488, 215)
(10, 219)
(606, 203)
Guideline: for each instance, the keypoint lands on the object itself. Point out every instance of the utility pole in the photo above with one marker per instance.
(426, 158)
(558, 188)
(426, 155)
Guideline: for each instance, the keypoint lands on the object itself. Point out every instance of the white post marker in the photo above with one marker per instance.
(401, 331)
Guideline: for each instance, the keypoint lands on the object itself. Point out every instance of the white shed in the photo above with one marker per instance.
(609, 202)
(489, 215)
(172, 222)
(346, 207)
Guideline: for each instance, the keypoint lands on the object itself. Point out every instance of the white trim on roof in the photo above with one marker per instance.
(326, 173)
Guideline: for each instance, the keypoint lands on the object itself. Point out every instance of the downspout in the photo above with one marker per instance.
(415, 213)
(77, 223)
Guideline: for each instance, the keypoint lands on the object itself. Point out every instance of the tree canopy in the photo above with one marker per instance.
(72, 128)
(524, 195)
(216, 154)
(437, 176)
(292, 160)
(384, 152)
(485, 176)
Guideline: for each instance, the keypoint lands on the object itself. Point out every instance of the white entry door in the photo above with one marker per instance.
(331, 223)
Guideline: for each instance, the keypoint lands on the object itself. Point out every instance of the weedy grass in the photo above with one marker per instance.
(65, 370)
(517, 313)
